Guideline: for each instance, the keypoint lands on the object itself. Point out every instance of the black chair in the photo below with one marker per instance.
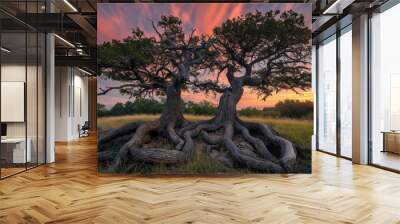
(84, 130)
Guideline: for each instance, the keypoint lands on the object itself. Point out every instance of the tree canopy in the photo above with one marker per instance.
(267, 52)
(148, 64)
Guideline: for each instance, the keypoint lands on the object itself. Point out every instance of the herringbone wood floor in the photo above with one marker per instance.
(71, 191)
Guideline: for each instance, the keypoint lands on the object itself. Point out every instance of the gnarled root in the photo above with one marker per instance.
(119, 132)
(245, 159)
(133, 150)
(232, 143)
(288, 153)
(256, 143)
(261, 159)
(175, 138)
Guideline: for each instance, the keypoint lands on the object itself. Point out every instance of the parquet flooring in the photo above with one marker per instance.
(71, 191)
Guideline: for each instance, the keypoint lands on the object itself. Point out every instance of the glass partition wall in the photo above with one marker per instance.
(22, 77)
(385, 89)
(334, 94)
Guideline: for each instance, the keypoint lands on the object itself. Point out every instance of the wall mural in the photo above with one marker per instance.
(210, 88)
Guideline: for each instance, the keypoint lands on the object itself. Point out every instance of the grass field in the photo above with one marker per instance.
(298, 131)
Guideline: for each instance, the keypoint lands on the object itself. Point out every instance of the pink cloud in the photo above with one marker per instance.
(118, 22)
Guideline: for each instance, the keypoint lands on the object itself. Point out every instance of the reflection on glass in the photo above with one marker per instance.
(31, 97)
(22, 90)
(41, 99)
(327, 95)
(15, 151)
(385, 84)
(346, 93)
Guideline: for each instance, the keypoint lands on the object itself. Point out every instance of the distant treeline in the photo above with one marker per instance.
(287, 108)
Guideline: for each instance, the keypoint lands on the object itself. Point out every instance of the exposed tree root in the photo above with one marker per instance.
(231, 143)
(119, 132)
(245, 159)
(288, 153)
(258, 144)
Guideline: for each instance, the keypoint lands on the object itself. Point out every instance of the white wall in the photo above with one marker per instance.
(62, 81)
(71, 102)
(80, 110)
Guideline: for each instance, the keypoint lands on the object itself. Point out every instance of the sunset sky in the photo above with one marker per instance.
(115, 21)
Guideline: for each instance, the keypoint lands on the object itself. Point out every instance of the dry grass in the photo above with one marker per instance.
(117, 121)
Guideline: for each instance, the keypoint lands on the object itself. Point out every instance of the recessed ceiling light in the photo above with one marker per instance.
(5, 50)
(86, 72)
(64, 40)
(338, 6)
(70, 5)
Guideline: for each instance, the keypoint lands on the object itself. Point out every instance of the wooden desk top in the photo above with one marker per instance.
(13, 140)
(391, 132)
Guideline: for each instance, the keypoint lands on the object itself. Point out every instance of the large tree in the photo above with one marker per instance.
(147, 66)
(266, 52)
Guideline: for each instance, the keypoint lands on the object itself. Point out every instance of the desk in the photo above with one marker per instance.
(15, 148)
(391, 141)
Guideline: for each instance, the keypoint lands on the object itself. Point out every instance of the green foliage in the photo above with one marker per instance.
(139, 106)
(251, 111)
(295, 108)
(134, 51)
(101, 110)
(144, 106)
(150, 106)
(147, 66)
(273, 48)
(271, 112)
(254, 112)
(118, 109)
(202, 108)
(289, 108)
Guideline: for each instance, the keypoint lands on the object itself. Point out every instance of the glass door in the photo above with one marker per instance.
(327, 95)
(345, 92)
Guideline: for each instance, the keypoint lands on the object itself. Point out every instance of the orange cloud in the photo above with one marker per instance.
(236, 11)
(250, 98)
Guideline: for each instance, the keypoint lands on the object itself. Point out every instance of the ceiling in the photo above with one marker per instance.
(74, 22)
(327, 13)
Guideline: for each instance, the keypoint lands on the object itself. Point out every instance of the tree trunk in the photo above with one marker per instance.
(173, 110)
(261, 159)
(228, 102)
